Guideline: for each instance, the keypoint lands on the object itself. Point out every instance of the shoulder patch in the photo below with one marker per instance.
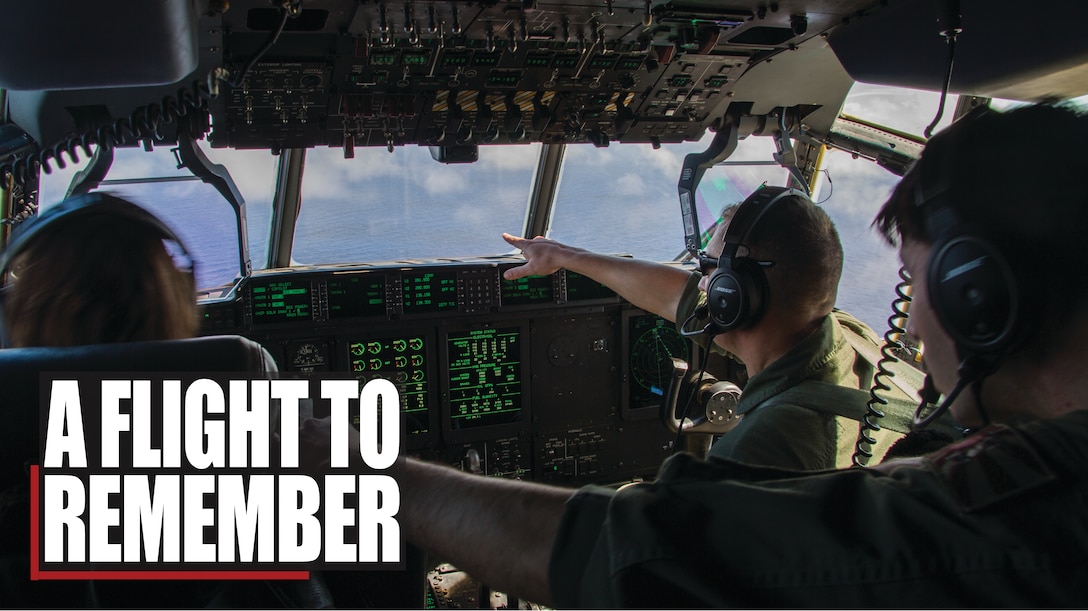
(993, 466)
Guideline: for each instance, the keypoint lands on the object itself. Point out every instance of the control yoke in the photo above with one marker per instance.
(715, 402)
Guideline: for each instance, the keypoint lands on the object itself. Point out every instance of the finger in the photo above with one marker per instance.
(513, 240)
(516, 272)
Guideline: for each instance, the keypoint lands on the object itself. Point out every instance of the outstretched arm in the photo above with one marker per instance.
(654, 287)
(499, 531)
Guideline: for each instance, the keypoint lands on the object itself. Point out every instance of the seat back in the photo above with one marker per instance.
(20, 381)
(20, 370)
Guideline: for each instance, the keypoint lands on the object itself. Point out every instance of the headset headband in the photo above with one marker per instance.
(79, 206)
(749, 214)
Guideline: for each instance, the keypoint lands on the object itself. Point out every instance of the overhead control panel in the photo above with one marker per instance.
(456, 73)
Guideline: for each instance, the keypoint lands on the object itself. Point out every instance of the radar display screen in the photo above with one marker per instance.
(582, 288)
(403, 361)
(356, 296)
(484, 377)
(653, 341)
(280, 300)
(526, 291)
(429, 292)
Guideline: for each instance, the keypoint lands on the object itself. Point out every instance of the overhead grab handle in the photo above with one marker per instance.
(695, 165)
(784, 153)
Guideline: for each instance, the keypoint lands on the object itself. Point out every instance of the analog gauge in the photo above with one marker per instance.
(310, 355)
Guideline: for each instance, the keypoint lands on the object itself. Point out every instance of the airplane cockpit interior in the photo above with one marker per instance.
(549, 378)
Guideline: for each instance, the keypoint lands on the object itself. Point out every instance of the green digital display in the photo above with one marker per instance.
(580, 288)
(484, 377)
(525, 291)
(503, 79)
(455, 59)
(403, 361)
(280, 300)
(356, 296)
(537, 61)
(602, 62)
(565, 61)
(429, 292)
(629, 63)
(485, 60)
(383, 58)
(654, 341)
(415, 58)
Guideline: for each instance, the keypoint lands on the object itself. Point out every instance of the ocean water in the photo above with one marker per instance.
(405, 206)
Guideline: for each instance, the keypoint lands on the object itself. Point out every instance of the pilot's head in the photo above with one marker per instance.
(990, 224)
(793, 245)
(95, 269)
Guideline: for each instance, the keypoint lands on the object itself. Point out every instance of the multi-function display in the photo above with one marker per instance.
(356, 296)
(432, 291)
(281, 300)
(527, 291)
(484, 377)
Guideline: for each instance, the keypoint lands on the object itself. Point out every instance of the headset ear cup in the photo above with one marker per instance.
(974, 293)
(735, 294)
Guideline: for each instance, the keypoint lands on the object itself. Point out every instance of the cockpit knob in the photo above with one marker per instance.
(470, 462)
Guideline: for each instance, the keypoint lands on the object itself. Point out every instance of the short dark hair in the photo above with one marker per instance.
(803, 243)
(1013, 179)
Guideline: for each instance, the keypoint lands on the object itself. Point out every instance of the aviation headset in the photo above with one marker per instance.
(74, 209)
(975, 293)
(737, 290)
(978, 297)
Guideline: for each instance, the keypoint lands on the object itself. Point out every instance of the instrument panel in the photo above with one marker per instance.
(551, 378)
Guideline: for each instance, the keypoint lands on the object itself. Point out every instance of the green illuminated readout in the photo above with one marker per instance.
(385, 58)
(503, 79)
(581, 287)
(455, 59)
(429, 292)
(537, 61)
(281, 301)
(602, 62)
(654, 342)
(403, 361)
(629, 63)
(565, 61)
(485, 60)
(356, 296)
(414, 58)
(524, 291)
(484, 377)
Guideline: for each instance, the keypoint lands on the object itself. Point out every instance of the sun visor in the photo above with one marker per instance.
(1006, 49)
(74, 44)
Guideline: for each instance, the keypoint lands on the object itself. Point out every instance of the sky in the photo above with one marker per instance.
(623, 199)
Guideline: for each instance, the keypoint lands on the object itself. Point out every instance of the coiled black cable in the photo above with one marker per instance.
(896, 327)
(144, 123)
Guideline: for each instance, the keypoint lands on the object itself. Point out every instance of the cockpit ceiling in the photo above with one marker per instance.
(345, 73)
(1032, 52)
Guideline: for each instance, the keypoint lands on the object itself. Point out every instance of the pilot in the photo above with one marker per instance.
(996, 519)
(784, 260)
(94, 269)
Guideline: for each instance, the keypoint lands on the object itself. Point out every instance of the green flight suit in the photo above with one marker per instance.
(782, 433)
(999, 519)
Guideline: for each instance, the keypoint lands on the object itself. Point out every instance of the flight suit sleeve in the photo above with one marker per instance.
(722, 534)
(574, 545)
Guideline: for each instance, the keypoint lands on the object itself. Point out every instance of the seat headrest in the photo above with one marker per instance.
(20, 370)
